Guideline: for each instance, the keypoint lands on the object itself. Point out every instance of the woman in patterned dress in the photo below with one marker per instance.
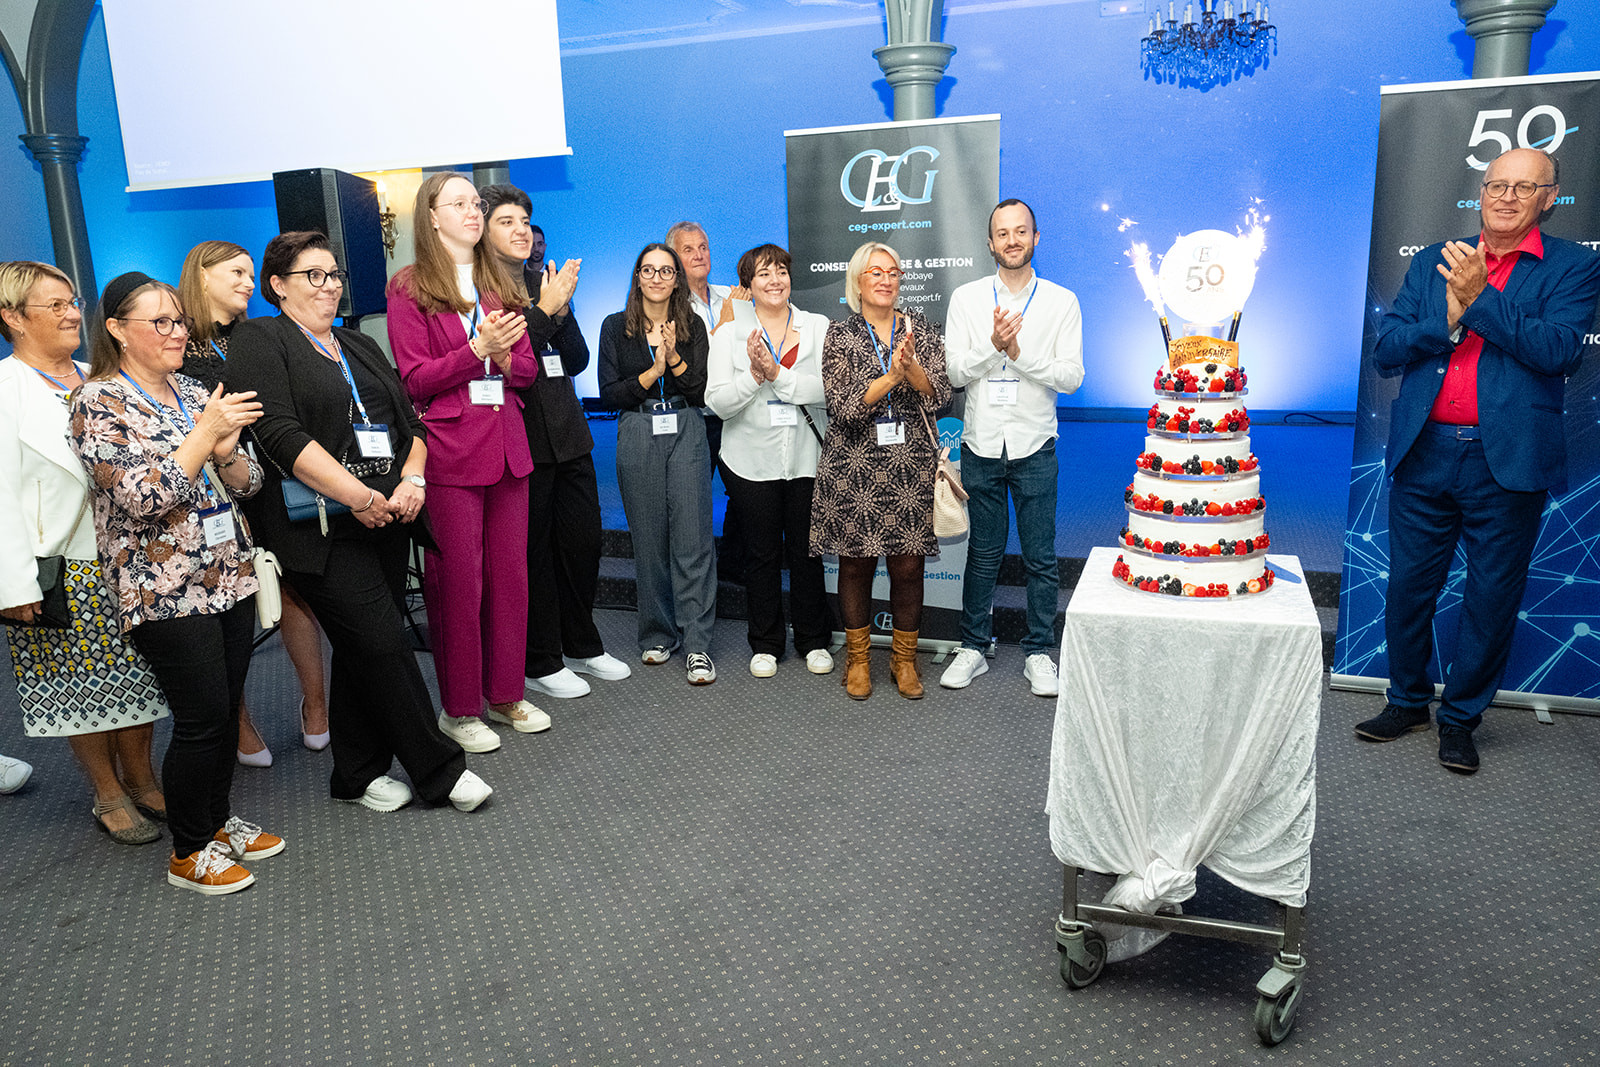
(167, 469)
(84, 683)
(884, 378)
(215, 287)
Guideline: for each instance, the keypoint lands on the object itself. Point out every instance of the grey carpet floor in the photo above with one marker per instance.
(764, 872)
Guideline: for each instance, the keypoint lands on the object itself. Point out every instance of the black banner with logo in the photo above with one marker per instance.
(1434, 144)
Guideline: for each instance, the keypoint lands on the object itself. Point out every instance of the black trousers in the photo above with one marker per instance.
(563, 564)
(379, 707)
(200, 661)
(775, 526)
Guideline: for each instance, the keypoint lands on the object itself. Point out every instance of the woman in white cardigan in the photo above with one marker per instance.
(764, 379)
(82, 683)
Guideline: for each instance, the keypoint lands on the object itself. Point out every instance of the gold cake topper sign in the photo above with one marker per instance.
(1198, 349)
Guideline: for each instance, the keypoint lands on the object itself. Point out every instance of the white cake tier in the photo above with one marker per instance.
(1193, 379)
(1203, 577)
(1241, 493)
(1150, 526)
(1198, 414)
(1179, 448)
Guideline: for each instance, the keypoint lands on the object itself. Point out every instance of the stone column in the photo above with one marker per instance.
(1503, 33)
(915, 58)
(58, 156)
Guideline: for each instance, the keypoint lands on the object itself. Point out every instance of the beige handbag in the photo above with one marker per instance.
(949, 498)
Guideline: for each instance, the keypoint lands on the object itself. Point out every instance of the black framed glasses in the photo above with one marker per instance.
(1523, 190)
(165, 324)
(466, 206)
(319, 277)
(59, 308)
(666, 274)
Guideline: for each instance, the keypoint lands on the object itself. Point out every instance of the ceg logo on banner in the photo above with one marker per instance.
(883, 190)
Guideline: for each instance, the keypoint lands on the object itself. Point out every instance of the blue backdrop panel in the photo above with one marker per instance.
(1433, 142)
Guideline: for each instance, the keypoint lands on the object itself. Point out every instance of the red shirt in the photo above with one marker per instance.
(1457, 402)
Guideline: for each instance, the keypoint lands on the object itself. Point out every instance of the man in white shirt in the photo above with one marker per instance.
(1014, 341)
(689, 241)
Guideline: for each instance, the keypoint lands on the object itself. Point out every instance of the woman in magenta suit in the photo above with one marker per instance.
(463, 356)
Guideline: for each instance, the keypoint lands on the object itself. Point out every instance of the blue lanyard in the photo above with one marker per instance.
(165, 413)
(877, 350)
(59, 385)
(661, 381)
(1025, 305)
(218, 350)
(337, 356)
(786, 324)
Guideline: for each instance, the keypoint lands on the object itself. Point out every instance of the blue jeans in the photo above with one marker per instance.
(1031, 482)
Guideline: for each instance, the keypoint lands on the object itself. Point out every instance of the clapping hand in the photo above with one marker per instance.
(1466, 273)
(555, 293)
(1007, 324)
(762, 367)
(497, 333)
(669, 341)
(224, 416)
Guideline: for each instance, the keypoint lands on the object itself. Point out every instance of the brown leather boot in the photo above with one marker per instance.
(903, 664)
(857, 663)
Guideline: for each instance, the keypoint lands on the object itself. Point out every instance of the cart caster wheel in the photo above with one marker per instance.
(1092, 947)
(1275, 1015)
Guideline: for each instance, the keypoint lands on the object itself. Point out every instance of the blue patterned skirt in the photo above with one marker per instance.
(85, 679)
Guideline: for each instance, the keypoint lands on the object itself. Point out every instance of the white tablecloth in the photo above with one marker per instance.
(1185, 734)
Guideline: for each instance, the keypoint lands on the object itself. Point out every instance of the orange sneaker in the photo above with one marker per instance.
(209, 871)
(247, 841)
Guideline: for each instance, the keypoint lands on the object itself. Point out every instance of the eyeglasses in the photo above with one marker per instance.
(1497, 189)
(166, 324)
(877, 274)
(464, 206)
(666, 274)
(318, 277)
(59, 308)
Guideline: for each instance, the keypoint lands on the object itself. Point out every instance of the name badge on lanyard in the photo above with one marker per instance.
(781, 414)
(552, 365)
(891, 431)
(1002, 391)
(216, 524)
(489, 390)
(372, 439)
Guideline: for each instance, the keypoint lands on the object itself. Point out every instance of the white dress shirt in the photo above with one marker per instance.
(709, 311)
(1049, 361)
(752, 447)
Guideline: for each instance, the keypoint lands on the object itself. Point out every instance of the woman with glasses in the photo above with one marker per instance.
(336, 419)
(83, 683)
(166, 465)
(765, 377)
(463, 353)
(215, 287)
(653, 370)
(883, 372)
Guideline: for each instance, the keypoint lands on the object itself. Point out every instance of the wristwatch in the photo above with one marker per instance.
(416, 480)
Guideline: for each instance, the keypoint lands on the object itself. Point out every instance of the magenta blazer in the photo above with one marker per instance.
(468, 444)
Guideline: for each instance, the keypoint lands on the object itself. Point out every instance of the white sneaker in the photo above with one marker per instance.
(606, 667)
(563, 685)
(469, 791)
(702, 671)
(14, 774)
(469, 732)
(1040, 671)
(818, 661)
(383, 794)
(967, 665)
(763, 665)
(656, 656)
(522, 717)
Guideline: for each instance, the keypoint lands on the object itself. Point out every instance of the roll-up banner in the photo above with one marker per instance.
(1434, 143)
(924, 189)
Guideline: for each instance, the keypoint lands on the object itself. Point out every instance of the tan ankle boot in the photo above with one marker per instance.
(857, 663)
(903, 664)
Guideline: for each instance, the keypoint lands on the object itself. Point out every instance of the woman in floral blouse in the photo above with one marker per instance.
(164, 462)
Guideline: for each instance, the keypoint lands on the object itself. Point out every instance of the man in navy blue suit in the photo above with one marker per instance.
(1485, 335)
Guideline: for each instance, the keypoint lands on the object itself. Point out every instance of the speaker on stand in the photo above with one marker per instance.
(345, 208)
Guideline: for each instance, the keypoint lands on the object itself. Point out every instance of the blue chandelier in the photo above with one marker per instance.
(1212, 51)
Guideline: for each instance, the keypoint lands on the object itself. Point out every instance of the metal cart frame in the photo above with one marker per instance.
(1083, 950)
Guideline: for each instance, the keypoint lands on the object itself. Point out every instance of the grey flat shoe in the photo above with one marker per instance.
(142, 832)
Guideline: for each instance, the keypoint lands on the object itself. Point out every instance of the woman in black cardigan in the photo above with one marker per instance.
(318, 386)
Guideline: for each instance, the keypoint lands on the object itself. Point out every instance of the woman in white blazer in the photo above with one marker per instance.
(764, 378)
(81, 683)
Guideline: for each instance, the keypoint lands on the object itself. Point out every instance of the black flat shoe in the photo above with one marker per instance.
(1392, 723)
(1456, 750)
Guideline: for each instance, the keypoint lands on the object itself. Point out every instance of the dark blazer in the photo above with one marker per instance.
(304, 398)
(551, 412)
(1532, 339)
(624, 358)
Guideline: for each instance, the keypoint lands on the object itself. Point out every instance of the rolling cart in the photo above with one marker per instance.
(1185, 736)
